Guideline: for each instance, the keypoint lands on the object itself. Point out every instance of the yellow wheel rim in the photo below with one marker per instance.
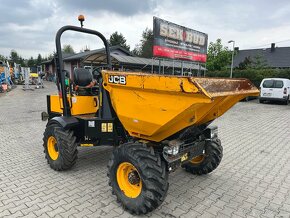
(52, 148)
(198, 159)
(129, 180)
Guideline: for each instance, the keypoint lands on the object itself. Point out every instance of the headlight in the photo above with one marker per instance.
(172, 150)
(211, 132)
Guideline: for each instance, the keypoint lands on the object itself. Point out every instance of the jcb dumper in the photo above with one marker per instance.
(157, 123)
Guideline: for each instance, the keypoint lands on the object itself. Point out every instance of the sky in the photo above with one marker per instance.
(29, 26)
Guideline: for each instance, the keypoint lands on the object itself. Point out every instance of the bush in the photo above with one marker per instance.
(255, 75)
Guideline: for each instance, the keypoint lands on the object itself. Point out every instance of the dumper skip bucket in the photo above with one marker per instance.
(154, 107)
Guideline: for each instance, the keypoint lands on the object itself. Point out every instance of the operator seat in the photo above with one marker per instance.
(82, 77)
(84, 82)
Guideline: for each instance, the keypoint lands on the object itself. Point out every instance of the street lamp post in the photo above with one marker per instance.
(232, 65)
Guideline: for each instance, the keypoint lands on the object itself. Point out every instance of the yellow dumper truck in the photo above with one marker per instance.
(157, 123)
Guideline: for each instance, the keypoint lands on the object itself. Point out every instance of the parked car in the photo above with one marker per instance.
(275, 89)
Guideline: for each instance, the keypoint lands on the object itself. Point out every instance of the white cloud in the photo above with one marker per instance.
(32, 26)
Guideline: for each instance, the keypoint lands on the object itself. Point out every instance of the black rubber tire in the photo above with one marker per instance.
(67, 147)
(261, 101)
(153, 174)
(213, 157)
(287, 101)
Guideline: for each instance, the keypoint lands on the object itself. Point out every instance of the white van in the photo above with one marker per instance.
(275, 89)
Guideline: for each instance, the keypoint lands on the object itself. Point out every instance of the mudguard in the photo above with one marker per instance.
(65, 122)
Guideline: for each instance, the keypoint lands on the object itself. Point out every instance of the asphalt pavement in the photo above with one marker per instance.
(253, 179)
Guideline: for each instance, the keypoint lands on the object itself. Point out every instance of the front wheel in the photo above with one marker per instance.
(60, 147)
(138, 177)
(208, 161)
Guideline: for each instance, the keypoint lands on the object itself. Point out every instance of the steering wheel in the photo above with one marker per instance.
(97, 73)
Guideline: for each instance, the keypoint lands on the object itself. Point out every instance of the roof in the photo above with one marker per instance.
(279, 58)
(83, 55)
(64, 55)
(143, 62)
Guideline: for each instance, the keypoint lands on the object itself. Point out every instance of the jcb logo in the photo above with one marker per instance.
(117, 79)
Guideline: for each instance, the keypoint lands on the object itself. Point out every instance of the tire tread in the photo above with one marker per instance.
(153, 173)
(67, 147)
(214, 154)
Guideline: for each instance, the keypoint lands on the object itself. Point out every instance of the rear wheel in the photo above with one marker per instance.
(138, 177)
(287, 100)
(207, 162)
(60, 147)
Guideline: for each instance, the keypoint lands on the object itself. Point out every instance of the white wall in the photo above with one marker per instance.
(50, 69)
(67, 66)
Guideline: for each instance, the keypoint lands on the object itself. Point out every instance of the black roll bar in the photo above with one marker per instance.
(59, 60)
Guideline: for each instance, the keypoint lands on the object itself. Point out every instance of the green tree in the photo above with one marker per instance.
(39, 59)
(31, 62)
(52, 55)
(118, 39)
(218, 56)
(22, 62)
(14, 57)
(2, 57)
(49, 57)
(144, 49)
(137, 50)
(68, 49)
(245, 64)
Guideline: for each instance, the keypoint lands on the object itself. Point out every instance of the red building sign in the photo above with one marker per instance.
(178, 42)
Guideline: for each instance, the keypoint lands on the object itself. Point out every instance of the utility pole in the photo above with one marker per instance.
(232, 65)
